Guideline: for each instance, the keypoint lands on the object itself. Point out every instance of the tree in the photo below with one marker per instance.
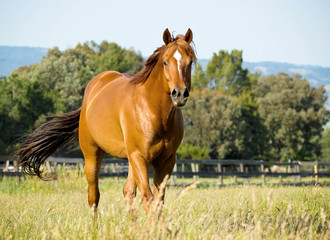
(67, 73)
(225, 72)
(118, 59)
(325, 145)
(23, 103)
(293, 114)
(225, 121)
(198, 79)
(221, 126)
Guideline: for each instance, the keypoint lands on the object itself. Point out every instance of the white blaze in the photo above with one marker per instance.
(177, 56)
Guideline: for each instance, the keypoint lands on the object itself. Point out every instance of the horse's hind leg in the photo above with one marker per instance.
(92, 168)
(93, 161)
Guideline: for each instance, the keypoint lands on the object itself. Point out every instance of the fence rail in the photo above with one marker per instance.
(195, 168)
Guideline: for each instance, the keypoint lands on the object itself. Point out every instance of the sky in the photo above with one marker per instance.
(292, 31)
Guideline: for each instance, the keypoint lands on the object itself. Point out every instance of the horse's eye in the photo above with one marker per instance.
(165, 63)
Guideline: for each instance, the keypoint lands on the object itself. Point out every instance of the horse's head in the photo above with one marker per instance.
(177, 60)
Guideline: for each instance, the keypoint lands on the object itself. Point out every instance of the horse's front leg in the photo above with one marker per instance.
(162, 168)
(129, 190)
(140, 169)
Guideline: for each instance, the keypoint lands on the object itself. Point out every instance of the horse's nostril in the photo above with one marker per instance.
(186, 93)
(174, 93)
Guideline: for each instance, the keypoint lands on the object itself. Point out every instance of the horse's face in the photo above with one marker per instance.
(177, 61)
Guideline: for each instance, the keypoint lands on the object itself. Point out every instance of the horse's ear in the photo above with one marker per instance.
(189, 36)
(167, 36)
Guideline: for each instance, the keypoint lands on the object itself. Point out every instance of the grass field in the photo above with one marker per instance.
(32, 209)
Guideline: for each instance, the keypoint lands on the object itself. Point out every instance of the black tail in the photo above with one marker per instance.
(57, 132)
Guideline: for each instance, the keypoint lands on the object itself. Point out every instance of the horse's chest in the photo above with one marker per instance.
(151, 138)
(155, 149)
(162, 148)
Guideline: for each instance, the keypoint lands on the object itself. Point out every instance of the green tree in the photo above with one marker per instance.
(118, 59)
(226, 121)
(325, 145)
(23, 103)
(67, 73)
(222, 126)
(225, 72)
(293, 114)
(198, 79)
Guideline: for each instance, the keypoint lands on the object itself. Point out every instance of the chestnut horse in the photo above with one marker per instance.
(134, 117)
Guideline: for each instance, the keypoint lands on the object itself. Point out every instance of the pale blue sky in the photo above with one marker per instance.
(293, 31)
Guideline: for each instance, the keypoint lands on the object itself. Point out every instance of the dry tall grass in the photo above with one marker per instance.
(32, 209)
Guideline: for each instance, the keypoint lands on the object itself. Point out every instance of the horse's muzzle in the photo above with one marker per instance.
(179, 96)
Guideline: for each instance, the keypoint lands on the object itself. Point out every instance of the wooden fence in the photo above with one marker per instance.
(195, 168)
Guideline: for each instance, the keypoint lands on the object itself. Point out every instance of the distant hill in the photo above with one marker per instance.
(316, 75)
(13, 57)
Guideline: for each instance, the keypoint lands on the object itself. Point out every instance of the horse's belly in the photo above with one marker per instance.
(114, 148)
(107, 133)
(104, 126)
(109, 138)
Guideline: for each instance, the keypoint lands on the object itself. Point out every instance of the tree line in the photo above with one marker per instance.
(231, 113)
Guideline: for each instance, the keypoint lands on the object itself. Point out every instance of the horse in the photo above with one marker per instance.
(135, 117)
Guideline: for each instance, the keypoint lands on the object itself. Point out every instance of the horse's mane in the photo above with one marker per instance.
(142, 76)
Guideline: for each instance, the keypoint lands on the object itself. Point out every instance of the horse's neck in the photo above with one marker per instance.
(159, 99)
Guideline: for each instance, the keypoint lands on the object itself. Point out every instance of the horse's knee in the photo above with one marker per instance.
(129, 192)
(146, 195)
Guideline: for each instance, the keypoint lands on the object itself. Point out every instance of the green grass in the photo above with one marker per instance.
(32, 209)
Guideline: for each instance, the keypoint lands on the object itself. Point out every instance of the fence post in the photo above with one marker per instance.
(173, 178)
(298, 170)
(197, 170)
(7, 166)
(15, 166)
(182, 170)
(316, 171)
(193, 170)
(220, 175)
(241, 167)
(263, 172)
(289, 166)
(295, 170)
(114, 170)
(291, 169)
(235, 176)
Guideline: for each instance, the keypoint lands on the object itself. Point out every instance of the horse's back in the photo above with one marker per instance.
(99, 82)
